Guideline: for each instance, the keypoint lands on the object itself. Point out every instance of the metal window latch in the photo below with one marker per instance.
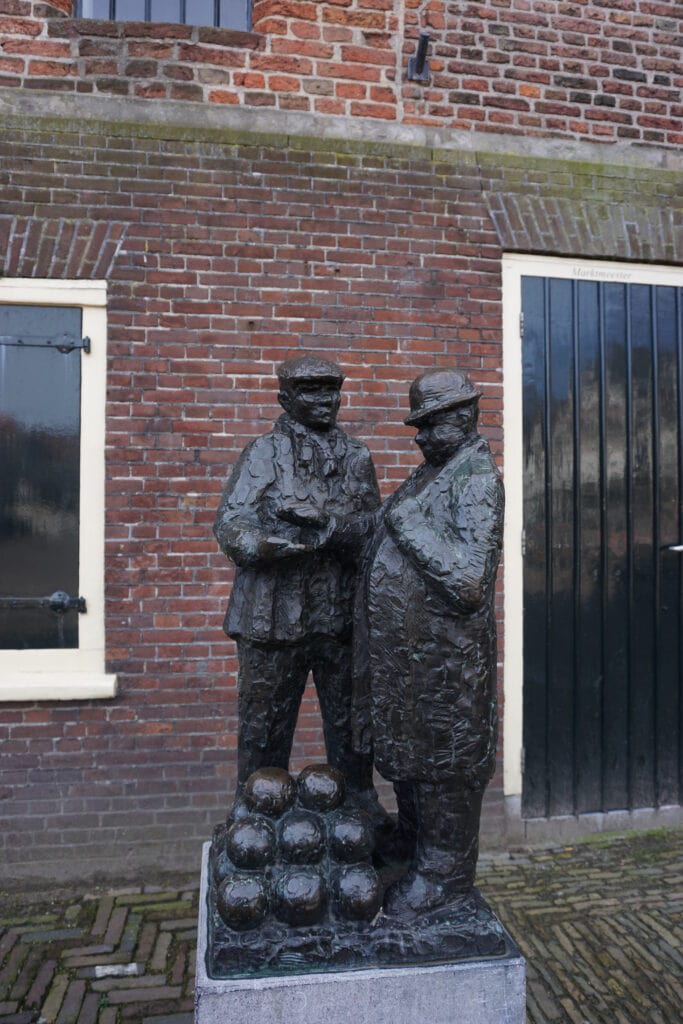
(67, 343)
(64, 343)
(59, 602)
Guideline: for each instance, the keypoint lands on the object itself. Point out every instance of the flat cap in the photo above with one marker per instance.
(309, 368)
(437, 390)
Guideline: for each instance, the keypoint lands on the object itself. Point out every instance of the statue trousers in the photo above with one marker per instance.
(441, 822)
(271, 683)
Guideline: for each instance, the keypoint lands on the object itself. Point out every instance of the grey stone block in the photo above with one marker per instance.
(470, 992)
(573, 828)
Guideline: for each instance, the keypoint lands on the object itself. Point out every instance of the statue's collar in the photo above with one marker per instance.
(304, 433)
(468, 444)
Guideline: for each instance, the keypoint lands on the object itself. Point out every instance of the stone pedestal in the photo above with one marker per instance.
(469, 992)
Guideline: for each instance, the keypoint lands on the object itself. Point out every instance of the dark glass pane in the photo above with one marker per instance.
(231, 13)
(200, 12)
(98, 9)
(165, 10)
(39, 475)
(131, 10)
(234, 14)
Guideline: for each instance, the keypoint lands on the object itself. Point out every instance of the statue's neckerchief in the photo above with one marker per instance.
(324, 448)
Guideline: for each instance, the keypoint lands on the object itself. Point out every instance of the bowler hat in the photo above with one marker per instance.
(437, 390)
(309, 368)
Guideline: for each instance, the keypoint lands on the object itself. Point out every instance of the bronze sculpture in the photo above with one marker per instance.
(296, 880)
(426, 643)
(290, 608)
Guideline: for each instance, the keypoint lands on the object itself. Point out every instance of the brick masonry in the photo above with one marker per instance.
(588, 69)
(533, 222)
(235, 256)
(225, 253)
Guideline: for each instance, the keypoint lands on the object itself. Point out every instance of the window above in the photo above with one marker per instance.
(235, 14)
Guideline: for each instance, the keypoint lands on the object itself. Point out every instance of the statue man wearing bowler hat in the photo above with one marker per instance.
(290, 609)
(426, 643)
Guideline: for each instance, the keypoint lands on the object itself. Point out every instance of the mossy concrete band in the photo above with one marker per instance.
(543, 196)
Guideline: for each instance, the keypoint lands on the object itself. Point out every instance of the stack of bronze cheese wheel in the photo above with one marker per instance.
(298, 851)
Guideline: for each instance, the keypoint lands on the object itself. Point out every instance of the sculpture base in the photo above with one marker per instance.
(476, 990)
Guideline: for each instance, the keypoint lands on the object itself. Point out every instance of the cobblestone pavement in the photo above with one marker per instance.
(601, 925)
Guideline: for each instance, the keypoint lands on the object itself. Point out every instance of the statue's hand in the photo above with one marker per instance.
(303, 515)
(276, 548)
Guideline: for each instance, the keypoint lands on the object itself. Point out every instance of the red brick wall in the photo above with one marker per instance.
(595, 69)
(233, 258)
(608, 70)
(225, 257)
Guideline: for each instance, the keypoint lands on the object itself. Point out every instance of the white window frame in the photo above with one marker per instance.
(515, 267)
(78, 673)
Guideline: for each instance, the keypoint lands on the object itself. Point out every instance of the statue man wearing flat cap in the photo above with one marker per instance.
(290, 609)
(426, 642)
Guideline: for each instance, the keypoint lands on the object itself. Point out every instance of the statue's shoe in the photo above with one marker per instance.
(415, 893)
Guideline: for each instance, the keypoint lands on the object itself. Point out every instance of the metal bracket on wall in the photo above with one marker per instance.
(418, 66)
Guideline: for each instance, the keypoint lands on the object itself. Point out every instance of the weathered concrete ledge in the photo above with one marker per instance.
(572, 828)
(197, 119)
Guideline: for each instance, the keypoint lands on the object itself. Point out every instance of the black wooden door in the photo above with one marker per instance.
(603, 498)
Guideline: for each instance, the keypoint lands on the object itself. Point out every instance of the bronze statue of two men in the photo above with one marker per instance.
(390, 607)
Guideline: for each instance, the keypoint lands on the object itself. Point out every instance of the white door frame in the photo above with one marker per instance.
(514, 268)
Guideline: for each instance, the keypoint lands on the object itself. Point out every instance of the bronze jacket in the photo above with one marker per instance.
(308, 595)
(425, 643)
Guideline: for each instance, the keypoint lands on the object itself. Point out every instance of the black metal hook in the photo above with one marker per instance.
(418, 66)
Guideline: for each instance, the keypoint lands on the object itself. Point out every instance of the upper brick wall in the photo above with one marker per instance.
(607, 71)
(598, 69)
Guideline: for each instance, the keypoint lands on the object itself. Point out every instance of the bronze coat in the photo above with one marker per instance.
(426, 635)
(309, 595)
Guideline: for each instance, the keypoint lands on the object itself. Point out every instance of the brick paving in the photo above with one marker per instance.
(601, 925)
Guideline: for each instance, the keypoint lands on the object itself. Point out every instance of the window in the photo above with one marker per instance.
(52, 402)
(235, 14)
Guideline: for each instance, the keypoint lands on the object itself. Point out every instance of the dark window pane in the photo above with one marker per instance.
(231, 13)
(98, 9)
(93, 8)
(39, 475)
(200, 12)
(165, 10)
(234, 14)
(130, 10)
